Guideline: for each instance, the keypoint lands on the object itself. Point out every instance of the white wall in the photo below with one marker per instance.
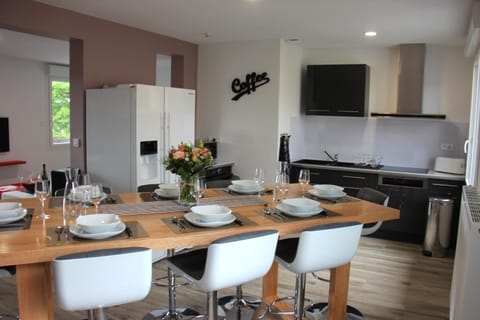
(247, 129)
(24, 99)
(402, 142)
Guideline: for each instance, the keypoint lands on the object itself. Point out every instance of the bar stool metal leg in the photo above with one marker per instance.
(239, 307)
(172, 312)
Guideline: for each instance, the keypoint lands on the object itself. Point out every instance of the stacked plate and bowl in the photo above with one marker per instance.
(300, 207)
(11, 212)
(245, 187)
(210, 216)
(98, 226)
(167, 190)
(327, 191)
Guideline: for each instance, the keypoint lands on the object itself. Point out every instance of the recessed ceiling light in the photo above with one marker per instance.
(370, 33)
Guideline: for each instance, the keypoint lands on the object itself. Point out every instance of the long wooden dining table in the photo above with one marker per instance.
(31, 251)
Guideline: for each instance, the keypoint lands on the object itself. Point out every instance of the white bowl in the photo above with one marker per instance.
(9, 205)
(301, 204)
(168, 189)
(329, 189)
(212, 212)
(245, 185)
(98, 223)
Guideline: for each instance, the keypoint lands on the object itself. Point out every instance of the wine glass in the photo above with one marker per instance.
(41, 193)
(259, 178)
(96, 194)
(304, 179)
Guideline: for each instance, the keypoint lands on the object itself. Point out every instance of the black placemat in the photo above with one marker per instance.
(152, 196)
(135, 228)
(183, 226)
(21, 224)
(279, 216)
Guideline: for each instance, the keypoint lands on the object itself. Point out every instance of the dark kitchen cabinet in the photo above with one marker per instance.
(351, 181)
(339, 90)
(410, 196)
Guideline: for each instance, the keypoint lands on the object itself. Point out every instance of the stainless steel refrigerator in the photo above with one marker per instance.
(129, 130)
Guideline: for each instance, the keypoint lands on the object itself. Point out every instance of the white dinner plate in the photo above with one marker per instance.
(162, 194)
(193, 219)
(304, 214)
(20, 214)
(320, 195)
(242, 191)
(77, 231)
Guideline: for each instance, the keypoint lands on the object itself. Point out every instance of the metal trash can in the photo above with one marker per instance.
(437, 235)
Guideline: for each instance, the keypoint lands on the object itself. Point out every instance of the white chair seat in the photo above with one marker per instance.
(317, 248)
(102, 278)
(227, 262)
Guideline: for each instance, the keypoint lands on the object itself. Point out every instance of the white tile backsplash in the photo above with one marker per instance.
(401, 142)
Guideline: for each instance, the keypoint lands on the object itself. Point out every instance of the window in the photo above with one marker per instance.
(59, 92)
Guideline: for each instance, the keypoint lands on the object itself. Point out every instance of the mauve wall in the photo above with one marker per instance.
(105, 53)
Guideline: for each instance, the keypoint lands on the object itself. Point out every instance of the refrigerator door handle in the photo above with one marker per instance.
(465, 146)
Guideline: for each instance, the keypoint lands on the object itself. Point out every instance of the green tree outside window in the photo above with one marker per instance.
(60, 112)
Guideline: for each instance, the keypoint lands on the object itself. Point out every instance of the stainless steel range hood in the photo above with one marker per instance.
(411, 66)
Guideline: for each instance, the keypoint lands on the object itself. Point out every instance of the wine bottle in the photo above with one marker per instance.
(44, 172)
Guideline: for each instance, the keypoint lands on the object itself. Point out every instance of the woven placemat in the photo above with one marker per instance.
(144, 207)
(52, 238)
(183, 226)
(57, 202)
(21, 224)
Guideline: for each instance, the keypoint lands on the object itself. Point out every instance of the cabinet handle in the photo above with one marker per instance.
(354, 177)
(444, 185)
(349, 111)
(312, 173)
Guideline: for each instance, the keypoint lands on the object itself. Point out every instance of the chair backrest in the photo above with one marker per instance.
(373, 195)
(326, 246)
(102, 278)
(234, 260)
(147, 187)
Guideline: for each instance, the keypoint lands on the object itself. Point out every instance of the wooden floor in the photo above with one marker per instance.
(389, 280)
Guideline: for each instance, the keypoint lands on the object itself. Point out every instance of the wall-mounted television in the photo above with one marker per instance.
(4, 135)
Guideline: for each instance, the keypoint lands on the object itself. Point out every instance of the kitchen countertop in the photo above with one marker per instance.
(384, 170)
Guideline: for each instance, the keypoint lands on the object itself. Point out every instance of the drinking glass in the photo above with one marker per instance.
(96, 194)
(197, 189)
(304, 179)
(259, 178)
(283, 183)
(41, 193)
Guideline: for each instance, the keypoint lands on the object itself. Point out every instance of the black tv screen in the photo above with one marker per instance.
(4, 135)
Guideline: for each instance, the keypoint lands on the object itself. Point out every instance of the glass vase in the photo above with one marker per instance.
(186, 196)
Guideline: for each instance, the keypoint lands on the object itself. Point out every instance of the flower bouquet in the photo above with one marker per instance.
(188, 161)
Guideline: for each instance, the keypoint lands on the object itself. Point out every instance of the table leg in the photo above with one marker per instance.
(34, 291)
(270, 281)
(338, 292)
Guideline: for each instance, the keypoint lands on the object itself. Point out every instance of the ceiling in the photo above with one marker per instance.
(316, 23)
(312, 23)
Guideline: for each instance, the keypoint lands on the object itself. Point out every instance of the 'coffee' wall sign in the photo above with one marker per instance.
(252, 82)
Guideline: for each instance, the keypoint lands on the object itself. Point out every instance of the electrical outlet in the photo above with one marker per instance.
(446, 146)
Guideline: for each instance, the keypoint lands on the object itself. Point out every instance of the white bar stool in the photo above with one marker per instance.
(317, 248)
(227, 262)
(99, 279)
